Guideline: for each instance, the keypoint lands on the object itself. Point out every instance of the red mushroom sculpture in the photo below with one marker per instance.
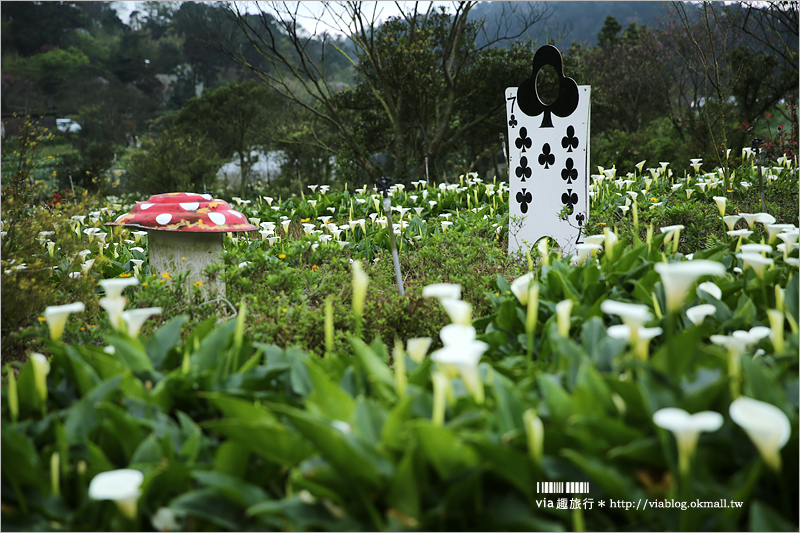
(184, 233)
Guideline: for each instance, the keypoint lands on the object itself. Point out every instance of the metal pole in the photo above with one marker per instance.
(383, 186)
(756, 144)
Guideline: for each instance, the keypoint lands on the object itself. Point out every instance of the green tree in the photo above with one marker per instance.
(230, 119)
(175, 161)
(413, 66)
(609, 32)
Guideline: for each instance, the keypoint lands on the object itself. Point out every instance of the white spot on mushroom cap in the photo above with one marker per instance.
(146, 206)
(207, 197)
(190, 206)
(217, 218)
(235, 213)
(164, 218)
(119, 217)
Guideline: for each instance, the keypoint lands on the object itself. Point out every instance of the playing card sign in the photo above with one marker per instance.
(548, 158)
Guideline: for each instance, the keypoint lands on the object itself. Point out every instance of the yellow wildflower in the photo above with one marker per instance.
(281, 256)
(42, 319)
(304, 220)
(165, 275)
(198, 283)
(314, 268)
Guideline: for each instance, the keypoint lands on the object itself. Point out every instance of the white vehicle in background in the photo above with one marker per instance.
(67, 125)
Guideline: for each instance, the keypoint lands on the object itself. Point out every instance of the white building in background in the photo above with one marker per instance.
(267, 166)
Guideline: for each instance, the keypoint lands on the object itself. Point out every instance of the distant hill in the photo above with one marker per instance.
(584, 19)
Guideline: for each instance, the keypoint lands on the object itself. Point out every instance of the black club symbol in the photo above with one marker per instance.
(569, 199)
(524, 198)
(579, 217)
(523, 141)
(513, 122)
(523, 170)
(528, 98)
(569, 173)
(546, 158)
(570, 141)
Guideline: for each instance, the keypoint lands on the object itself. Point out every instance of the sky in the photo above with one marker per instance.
(308, 11)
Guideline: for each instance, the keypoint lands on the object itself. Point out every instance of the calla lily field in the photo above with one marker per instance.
(655, 364)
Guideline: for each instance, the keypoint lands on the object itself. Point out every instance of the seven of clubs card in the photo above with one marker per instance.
(548, 160)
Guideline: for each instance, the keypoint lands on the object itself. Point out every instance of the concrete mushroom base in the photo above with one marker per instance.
(169, 248)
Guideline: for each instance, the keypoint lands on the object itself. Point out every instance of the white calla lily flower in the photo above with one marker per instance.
(442, 291)
(56, 317)
(115, 286)
(121, 486)
(463, 358)
(165, 520)
(114, 307)
(677, 278)
(698, 313)
(135, 318)
(686, 428)
(417, 348)
(520, 287)
(755, 261)
(710, 288)
(460, 312)
(731, 221)
(766, 425)
(721, 201)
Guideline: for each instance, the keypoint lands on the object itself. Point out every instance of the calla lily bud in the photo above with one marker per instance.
(13, 394)
(399, 364)
(55, 473)
(533, 308)
(121, 486)
(440, 385)
(417, 348)
(776, 319)
(534, 432)
(766, 425)
(360, 282)
(611, 238)
(563, 311)
(544, 249)
(41, 367)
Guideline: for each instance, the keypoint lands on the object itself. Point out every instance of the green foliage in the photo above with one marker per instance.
(173, 162)
(38, 247)
(236, 434)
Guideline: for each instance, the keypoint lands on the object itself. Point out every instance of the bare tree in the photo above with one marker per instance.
(713, 37)
(448, 43)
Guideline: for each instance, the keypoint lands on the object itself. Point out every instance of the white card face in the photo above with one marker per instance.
(548, 171)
